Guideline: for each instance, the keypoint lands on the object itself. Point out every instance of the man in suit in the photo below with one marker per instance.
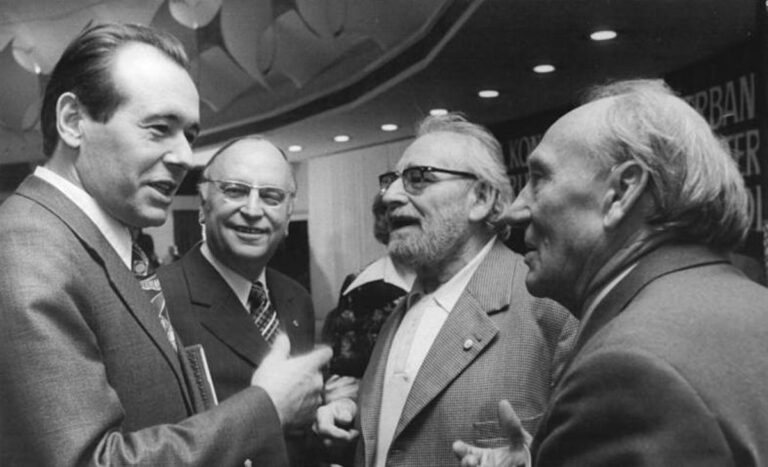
(92, 373)
(631, 209)
(469, 333)
(247, 191)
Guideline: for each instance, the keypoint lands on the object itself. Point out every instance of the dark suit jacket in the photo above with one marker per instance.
(670, 370)
(86, 371)
(516, 344)
(204, 310)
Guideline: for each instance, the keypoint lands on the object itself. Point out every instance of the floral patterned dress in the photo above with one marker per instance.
(352, 327)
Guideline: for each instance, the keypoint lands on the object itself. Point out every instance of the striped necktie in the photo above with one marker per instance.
(262, 312)
(151, 287)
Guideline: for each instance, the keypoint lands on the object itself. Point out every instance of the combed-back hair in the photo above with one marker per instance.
(698, 191)
(84, 69)
(486, 161)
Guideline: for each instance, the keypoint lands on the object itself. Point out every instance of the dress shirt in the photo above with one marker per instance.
(239, 284)
(413, 339)
(118, 235)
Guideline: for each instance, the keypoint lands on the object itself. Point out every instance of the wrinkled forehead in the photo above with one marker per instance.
(439, 149)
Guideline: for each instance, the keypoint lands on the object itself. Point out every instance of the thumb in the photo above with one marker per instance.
(318, 357)
(511, 426)
(281, 348)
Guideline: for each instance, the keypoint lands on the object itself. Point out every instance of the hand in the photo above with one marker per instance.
(333, 423)
(338, 387)
(515, 454)
(295, 385)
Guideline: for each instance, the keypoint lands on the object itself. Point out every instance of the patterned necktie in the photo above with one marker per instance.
(262, 312)
(151, 286)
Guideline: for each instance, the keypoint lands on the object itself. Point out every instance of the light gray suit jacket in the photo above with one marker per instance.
(518, 344)
(87, 374)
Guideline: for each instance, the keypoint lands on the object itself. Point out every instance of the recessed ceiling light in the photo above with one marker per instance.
(341, 138)
(603, 35)
(389, 127)
(488, 93)
(436, 112)
(295, 148)
(544, 68)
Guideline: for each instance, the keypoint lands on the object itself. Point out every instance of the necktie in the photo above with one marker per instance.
(151, 286)
(262, 312)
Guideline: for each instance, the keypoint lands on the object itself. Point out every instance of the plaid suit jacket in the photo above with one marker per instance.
(518, 343)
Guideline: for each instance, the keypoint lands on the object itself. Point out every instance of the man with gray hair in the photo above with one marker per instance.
(469, 333)
(630, 211)
(221, 294)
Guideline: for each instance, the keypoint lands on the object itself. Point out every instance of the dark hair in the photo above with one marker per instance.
(84, 70)
(380, 221)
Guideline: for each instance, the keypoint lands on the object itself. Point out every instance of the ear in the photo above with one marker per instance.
(626, 184)
(201, 212)
(483, 200)
(69, 119)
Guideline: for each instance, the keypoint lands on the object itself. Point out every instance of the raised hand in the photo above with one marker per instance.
(513, 455)
(295, 385)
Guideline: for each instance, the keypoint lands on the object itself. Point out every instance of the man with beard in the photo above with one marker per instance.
(469, 333)
(631, 208)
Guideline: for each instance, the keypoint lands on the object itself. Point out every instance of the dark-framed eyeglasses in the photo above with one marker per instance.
(240, 191)
(417, 178)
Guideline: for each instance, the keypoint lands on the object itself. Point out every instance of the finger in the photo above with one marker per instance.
(317, 358)
(511, 425)
(463, 450)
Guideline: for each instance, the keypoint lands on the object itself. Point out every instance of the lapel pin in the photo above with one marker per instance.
(468, 344)
(295, 323)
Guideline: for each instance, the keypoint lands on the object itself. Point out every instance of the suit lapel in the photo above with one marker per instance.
(120, 277)
(373, 382)
(282, 300)
(220, 311)
(659, 262)
(465, 334)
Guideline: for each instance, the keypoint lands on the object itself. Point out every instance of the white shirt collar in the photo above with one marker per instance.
(117, 234)
(449, 293)
(239, 284)
(386, 270)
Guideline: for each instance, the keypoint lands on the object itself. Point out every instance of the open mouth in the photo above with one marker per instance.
(248, 230)
(397, 222)
(165, 188)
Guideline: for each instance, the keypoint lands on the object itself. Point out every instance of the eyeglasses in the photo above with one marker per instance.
(240, 191)
(417, 178)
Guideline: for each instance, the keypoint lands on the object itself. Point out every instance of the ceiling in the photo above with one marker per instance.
(328, 67)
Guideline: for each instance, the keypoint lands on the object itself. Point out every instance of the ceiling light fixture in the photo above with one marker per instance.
(603, 35)
(341, 138)
(544, 68)
(488, 93)
(389, 127)
(294, 148)
(437, 112)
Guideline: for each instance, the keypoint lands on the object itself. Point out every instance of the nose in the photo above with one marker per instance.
(252, 206)
(180, 152)
(519, 213)
(394, 193)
